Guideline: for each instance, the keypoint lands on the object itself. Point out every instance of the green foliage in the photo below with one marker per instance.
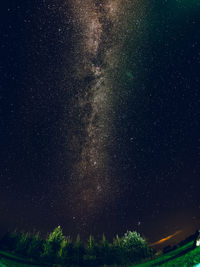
(90, 256)
(23, 244)
(117, 250)
(135, 247)
(65, 252)
(104, 253)
(117, 241)
(57, 249)
(56, 236)
(35, 247)
(54, 245)
(182, 256)
(77, 252)
(91, 244)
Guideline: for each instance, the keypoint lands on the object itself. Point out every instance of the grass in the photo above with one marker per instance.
(183, 256)
(11, 260)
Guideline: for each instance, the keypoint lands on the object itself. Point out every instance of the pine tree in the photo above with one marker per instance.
(90, 252)
(23, 244)
(52, 245)
(78, 251)
(117, 250)
(35, 246)
(104, 251)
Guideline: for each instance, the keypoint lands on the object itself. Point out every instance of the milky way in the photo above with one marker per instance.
(100, 117)
(101, 28)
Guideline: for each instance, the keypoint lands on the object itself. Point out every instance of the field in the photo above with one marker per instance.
(183, 256)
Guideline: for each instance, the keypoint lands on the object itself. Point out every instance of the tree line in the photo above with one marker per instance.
(59, 249)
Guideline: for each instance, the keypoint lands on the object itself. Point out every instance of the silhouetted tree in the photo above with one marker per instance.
(23, 244)
(117, 250)
(90, 252)
(78, 251)
(35, 247)
(104, 254)
(57, 249)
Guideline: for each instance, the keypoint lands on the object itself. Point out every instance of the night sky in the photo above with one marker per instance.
(100, 116)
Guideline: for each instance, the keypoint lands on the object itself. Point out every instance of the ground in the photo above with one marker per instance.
(181, 257)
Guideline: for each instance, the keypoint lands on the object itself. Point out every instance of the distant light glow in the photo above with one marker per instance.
(166, 238)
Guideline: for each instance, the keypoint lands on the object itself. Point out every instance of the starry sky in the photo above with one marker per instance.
(100, 117)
